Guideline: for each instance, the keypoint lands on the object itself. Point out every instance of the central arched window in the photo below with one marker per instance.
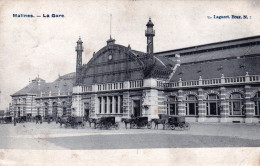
(213, 104)
(257, 103)
(236, 104)
(191, 105)
(172, 106)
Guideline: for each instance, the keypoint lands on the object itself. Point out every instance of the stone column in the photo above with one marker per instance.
(102, 105)
(224, 106)
(181, 104)
(249, 106)
(108, 105)
(113, 105)
(202, 108)
(118, 103)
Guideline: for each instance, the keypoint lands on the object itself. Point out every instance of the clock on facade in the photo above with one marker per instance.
(110, 57)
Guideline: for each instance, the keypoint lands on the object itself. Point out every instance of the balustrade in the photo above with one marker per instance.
(213, 81)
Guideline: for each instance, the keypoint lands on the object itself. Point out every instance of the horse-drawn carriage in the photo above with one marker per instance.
(106, 123)
(38, 119)
(138, 122)
(21, 119)
(172, 122)
(71, 121)
(6, 119)
(48, 118)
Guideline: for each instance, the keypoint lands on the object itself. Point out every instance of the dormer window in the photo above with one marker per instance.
(220, 68)
(242, 66)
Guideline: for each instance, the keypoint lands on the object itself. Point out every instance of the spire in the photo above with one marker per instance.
(110, 41)
(79, 41)
(149, 33)
(110, 24)
(79, 49)
(150, 23)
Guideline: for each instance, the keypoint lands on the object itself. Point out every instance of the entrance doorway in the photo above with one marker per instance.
(18, 115)
(86, 111)
(54, 110)
(137, 108)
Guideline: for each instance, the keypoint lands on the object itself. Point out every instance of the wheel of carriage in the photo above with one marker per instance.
(181, 126)
(172, 127)
(132, 125)
(82, 125)
(149, 125)
(187, 126)
(116, 126)
(108, 125)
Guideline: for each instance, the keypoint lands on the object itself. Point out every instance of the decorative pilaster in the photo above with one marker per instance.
(202, 108)
(181, 104)
(249, 106)
(94, 105)
(224, 106)
(150, 103)
(126, 104)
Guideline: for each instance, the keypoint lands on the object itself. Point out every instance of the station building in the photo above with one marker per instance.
(216, 82)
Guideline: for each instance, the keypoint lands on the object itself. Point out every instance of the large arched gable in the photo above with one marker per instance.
(112, 63)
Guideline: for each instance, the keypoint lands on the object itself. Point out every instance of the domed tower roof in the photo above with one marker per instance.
(150, 23)
(79, 41)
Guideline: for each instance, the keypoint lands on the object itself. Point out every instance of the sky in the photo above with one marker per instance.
(46, 46)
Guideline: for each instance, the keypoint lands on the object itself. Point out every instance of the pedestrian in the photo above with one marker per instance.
(14, 121)
(49, 120)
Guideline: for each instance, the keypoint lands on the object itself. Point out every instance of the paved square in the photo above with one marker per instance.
(52, 136)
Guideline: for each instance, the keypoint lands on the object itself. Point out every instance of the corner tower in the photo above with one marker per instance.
(149, 33)
(79, 50)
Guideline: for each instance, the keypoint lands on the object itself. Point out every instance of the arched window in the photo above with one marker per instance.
(213, 104)
(54, 109)
(172, 106)
(236, 104)
(191, 105)
(257, 103)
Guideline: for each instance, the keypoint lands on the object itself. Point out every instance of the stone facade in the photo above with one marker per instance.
(217, 82)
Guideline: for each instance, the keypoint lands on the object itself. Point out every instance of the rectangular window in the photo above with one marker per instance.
(213, 108)
(121, 104)
(100, 104)
(116, 103)
(236, 108)
(105, 101)
(111, 104)
(172, 109)
(191, 108)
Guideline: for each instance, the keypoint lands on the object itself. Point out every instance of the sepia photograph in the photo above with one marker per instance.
(131, 82)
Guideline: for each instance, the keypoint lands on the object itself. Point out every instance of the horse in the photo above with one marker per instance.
(157, 122)
(91, 120)
(126, 121)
